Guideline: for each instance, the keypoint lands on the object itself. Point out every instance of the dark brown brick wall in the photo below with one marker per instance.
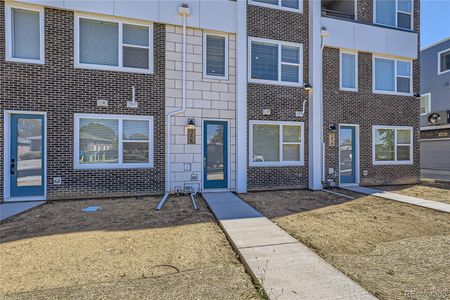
(283, 101)
(61, 90)
(366, 109)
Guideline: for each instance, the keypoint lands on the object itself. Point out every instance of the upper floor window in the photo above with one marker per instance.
(292, 5)
(392, 76)
(113, 141)
(349, 71)
(425, 104)
(25, 34)
(215, 58)
(444, 61)
(392, 145)
(275, 62)
(109, 45)
(396, 13)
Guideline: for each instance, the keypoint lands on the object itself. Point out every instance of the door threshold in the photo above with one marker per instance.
(24, 199)
(215, 190)
(349, 184)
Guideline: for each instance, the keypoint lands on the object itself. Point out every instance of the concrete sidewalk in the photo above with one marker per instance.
(285, 268)
(10, 209)
(439, 206)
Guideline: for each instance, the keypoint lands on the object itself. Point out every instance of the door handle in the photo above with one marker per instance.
(12, 166)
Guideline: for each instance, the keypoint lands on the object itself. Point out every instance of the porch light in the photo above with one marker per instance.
(191, 123)
(417, 96)
(307, 87)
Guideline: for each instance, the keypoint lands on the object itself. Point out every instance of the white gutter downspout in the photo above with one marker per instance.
(184, 12)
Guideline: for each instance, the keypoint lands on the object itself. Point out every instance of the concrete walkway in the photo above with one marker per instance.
(286, 268)
(439, 206)
(10, 209)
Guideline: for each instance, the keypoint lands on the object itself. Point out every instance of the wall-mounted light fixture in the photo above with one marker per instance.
(307, 87)
(417, 96)
(332, 127)
(191, 123)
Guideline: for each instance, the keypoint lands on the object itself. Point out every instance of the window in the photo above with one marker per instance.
(110, 45)
(395, 13)
(392, 76)
(113, 141)
(425, 103)
(292, 5)
(276, 143)
(444, 61)
(392, 145)
(349, 71)
(215, 58)
(275, 62)
(25, 34)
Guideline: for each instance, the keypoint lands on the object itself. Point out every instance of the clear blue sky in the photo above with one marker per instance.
(434, 21)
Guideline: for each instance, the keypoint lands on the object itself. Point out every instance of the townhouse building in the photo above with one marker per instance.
(435, 110)
(129, 98)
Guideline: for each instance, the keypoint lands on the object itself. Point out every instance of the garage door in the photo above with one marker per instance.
(435, 154)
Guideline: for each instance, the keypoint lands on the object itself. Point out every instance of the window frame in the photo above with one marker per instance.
(120, 22)
(120, 164)
(355, 54)
(217, 34)
(411, 77)
(396, 16)
(439, 62)
(280, 163)
(280, 63)
(429, 104)
(395, 161)
(9, 34)
(278, 6)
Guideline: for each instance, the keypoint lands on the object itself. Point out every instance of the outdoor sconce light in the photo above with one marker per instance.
(332, 127)
(191, 123)
(417, 95)
(307, 87)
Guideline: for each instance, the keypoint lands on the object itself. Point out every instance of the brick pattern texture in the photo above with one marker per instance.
(61, 90)
(283, 101)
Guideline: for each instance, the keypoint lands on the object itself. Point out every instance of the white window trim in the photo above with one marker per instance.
(120, 118)
(396, 15)
(439, 62)
(279, 44)
(375, 91)
(429, 104)
(224, 35)
(355, 53)
(395, 161)
(281, 163)
(120, 22)
(8, 33)
(299, 10)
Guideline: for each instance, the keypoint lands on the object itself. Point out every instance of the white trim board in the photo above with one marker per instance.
(7, 157)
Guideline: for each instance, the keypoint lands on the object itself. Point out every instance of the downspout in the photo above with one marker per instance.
(184, 12)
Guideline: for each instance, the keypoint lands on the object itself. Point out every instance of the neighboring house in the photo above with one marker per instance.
(435, 91)
(253, 95)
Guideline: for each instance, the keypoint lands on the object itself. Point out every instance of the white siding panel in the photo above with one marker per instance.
(137, 9)
(95, 6)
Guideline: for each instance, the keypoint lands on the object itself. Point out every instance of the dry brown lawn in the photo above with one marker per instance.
(394, 250)
(125, 251)
(428, 191)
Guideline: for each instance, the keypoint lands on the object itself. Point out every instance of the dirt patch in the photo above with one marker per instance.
(394, 250)
(436, 192)
(125, 251)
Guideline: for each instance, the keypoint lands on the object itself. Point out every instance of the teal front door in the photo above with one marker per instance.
(215, 154)
(27, 155)
(347, 154)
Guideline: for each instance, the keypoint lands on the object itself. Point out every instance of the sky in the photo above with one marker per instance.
(434, 21)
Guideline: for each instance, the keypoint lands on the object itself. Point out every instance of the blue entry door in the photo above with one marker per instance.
(347, 154)
(27, 155)
(215, 154)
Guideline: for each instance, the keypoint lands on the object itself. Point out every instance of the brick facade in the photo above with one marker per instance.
(283, 101)
(61, 90)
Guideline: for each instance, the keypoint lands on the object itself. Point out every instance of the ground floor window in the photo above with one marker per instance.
(276, 143)
(113, 141)
(392, 145)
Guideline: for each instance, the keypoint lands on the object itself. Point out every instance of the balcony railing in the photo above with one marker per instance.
(337, 14)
